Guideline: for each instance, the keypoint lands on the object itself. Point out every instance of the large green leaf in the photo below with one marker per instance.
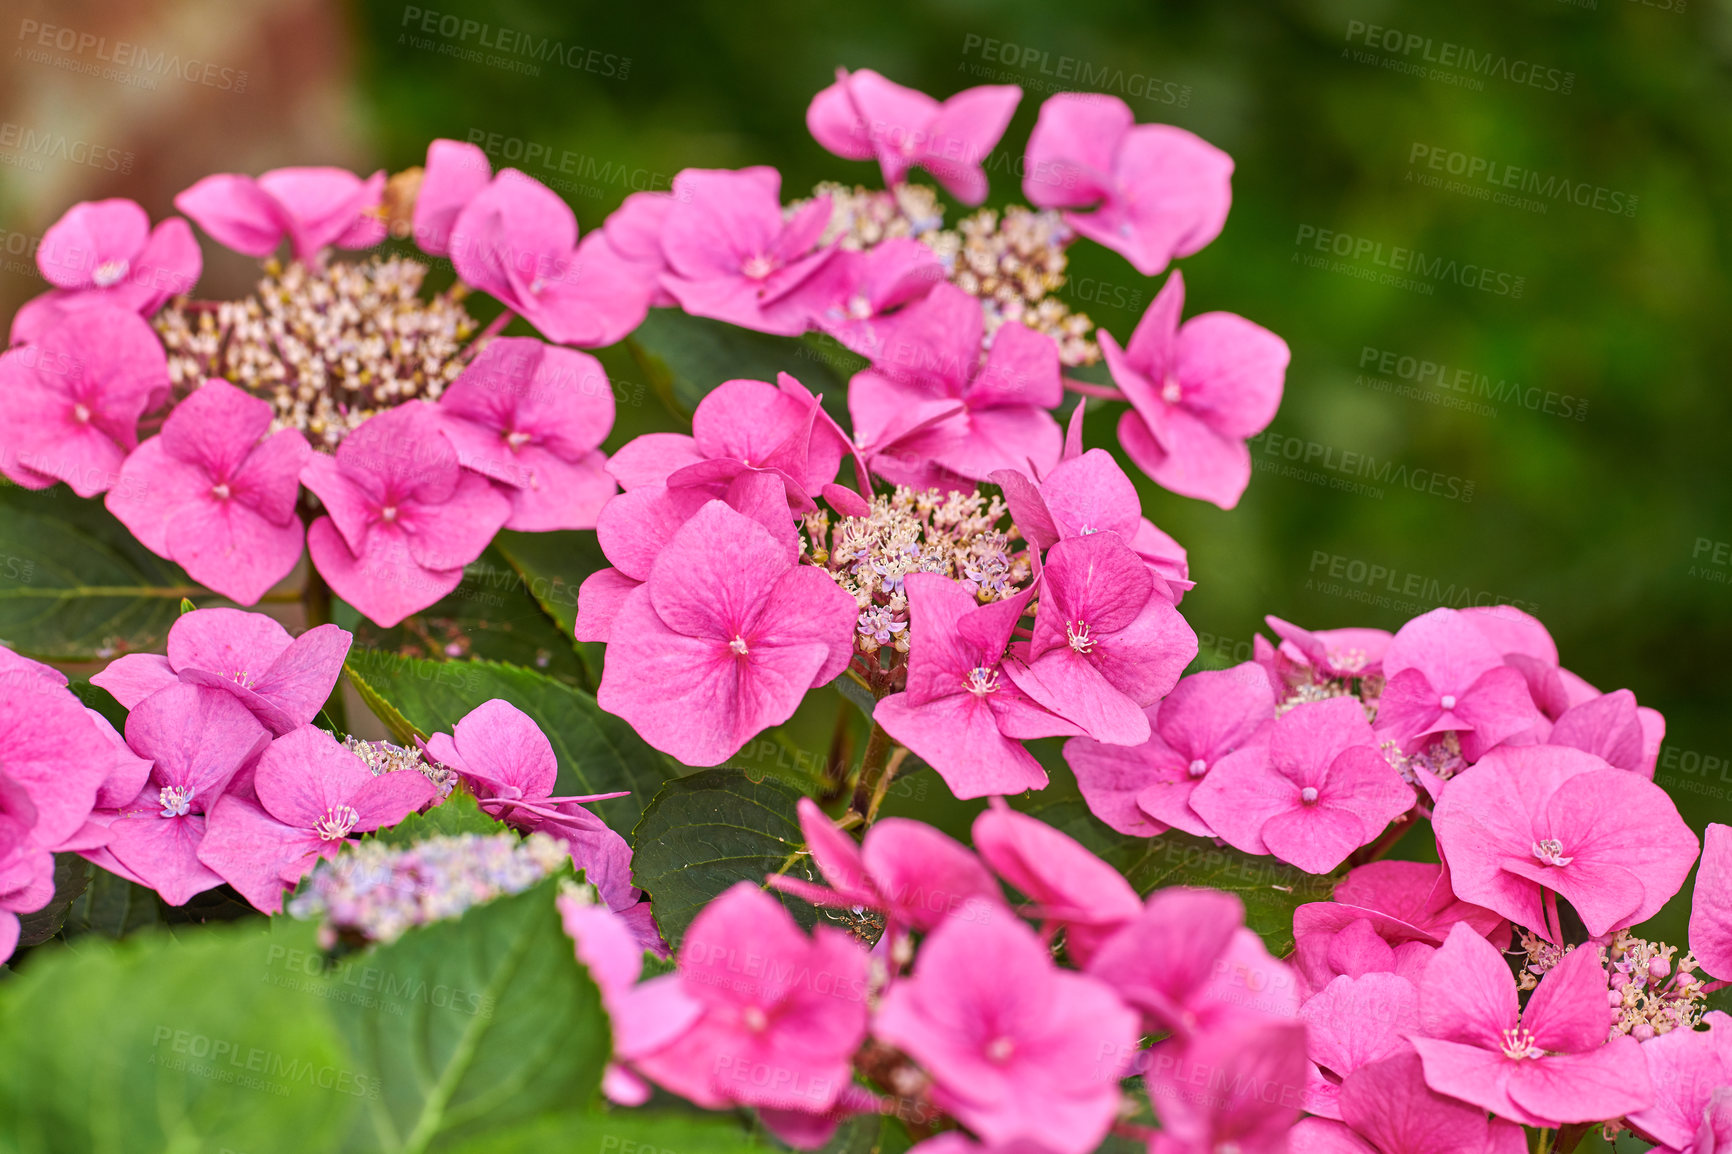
(705, 832)
(1270, 889)
(172, 1044)
(622, 1132)
(491, 615)
(598, 752)
(472, 1024)
(75, 584)
(685, 357)
(551, 567)
(457, 814)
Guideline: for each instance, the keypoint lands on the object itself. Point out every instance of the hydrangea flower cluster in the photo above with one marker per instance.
(390, 436)
(376, 892)
(961, 1010)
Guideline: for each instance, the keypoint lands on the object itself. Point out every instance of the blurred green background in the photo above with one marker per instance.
(1595, 312)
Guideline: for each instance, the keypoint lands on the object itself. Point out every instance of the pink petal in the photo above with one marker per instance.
(236, 212)
(834, 123)
(231, 643)
(504, 748)
(455, 172)
(163, 853)
(1173, 192)
(598, 602)
(963, 133)
(1356, 1021)
(1711, 909)
(252, 851)
(1389, 1102)
(134, 677)
(198, 737)
(1071, 152)
(1467, 996)
(1112, 777)
(386, 584)
(89, 240)
(925, 875)
(1603, 1083)
(325, 206)
(959, 737)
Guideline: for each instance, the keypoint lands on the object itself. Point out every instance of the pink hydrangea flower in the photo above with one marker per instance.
(911, 872)
(198, 739)
(723, 640)
(1161, 192)
(1197, 392)
(1387, 917)
(403, 517)
(1146, 789)
(530, 416)
(70, 402)
(517, 240)
(854, 296)
(508, 763)
(1530, 823)
(863, 116)
(1070, 886)
(644, 1018)
(1088, 493)
(215, 494)
(1613, 728)
(732, 256)
(781, 1014)
(1333, 653)
(1544, 1065)
(635, 526)
(1351, 1022)
(1711, 908)
(104, 252)
(1444, 676)
(1106, 642)
(634, 232)
(1322, 790)
(1236, 1086)
(313, 794)
(315, 208)
(741, 424)
(283, 680)
(1188, 962)
(959, 713)
(1687, 1068)
(1016, 1047)
(931, 399)
(454, 175)
(26, 868)
(1388, 1109)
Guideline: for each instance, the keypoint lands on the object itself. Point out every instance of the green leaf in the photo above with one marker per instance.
(598, 752)
(685, 357)
(71, 878)
(455, 815)
(186, 606)
(491, 615)
(1270, 889)
(75, 584)
(111, 907)
(705, 832)
(97, 698)
(551, 567)
(478, 1023)
(170, 1044)
(622, 1132)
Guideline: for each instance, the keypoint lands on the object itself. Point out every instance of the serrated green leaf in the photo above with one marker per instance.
(551, 567)
(457, 814)
(75, 584)
(705, 832)
(598, 752)
(1270, 889)
(622, 1132)
(685, 357)
(170, 1044)
(478, 1023)
(490, 616)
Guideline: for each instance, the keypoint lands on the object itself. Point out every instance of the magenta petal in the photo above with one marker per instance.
(306, 775)
(134, 677)
(252, 851)
(504, 748)
(924, 875)
(963, 133)
(1603, 1083)
(1355, 1021)
(1113, 777)
(598, 602)
(1071, 152)
(386, 584)
(232, 549)
(236, 212)
(198, 738)
(231, 643)
(301, 679)
(1389, 1102)
(1467, 995)
(960, 738)
(163, 852)
(1711, 909)
(455, 172)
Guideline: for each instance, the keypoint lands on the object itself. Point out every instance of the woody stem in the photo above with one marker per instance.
(878, 748)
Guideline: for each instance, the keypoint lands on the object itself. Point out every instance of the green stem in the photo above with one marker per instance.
(316, 601)
(872, 763)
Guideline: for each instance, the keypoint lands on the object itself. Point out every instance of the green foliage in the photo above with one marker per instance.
(248, 1038)
(703, 833)
(111, 907)
(684, 357)
(71, 878)
(478, 1023)
(75, 585)
(598, 752)
(492, 616)
(97, 698)
(621, 1131)
(457, 814)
